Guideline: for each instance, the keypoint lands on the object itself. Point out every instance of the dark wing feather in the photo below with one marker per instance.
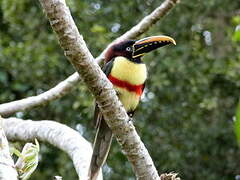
(103, 138)
(106, 69)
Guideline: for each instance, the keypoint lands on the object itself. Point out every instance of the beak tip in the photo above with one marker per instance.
(173, 41)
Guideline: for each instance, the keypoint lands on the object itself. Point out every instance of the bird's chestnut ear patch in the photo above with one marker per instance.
(122, 48)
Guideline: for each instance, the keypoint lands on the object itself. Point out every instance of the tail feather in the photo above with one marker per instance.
(101, 147)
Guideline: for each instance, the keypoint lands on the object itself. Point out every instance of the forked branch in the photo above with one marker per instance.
(115, 115)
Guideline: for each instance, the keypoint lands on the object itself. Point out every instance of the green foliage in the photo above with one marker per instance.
(185, 118)
(237, 124)
(27, 160)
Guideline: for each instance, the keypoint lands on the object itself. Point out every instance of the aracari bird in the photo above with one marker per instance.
(126, 71)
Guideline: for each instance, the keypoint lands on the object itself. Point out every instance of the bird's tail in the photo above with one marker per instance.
(101, 147)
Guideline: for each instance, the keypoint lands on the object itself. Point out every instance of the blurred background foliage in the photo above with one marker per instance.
(186, 116)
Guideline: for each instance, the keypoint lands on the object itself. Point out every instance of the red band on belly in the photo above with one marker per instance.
(138, 89)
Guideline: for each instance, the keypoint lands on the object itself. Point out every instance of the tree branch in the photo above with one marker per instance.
(115, 115)
(58, 91)
(7, 169)
(59, 135)
(144, 25)
(67, 85)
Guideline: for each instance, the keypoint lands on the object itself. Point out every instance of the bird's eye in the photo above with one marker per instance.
(128, 49)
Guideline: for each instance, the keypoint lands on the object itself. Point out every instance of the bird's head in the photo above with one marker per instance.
(134, 50)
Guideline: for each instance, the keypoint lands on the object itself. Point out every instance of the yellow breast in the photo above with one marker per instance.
(130, 100)
(133, 73)
(125, 70)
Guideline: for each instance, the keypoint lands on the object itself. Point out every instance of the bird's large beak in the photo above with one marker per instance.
(148, 44)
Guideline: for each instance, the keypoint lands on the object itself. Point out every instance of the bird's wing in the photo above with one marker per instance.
(97, 114)
(103, 138)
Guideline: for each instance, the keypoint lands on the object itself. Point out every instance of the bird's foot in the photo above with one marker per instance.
(130, 119)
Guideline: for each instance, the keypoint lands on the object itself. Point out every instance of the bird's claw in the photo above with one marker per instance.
(130, 119)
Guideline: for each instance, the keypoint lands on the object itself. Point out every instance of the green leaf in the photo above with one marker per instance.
(16, 152)
(236, 36)
(28, 160)
(236, 20)
(98, 29)
(237, 124)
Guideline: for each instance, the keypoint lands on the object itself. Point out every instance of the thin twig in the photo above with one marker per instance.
(58, 91)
